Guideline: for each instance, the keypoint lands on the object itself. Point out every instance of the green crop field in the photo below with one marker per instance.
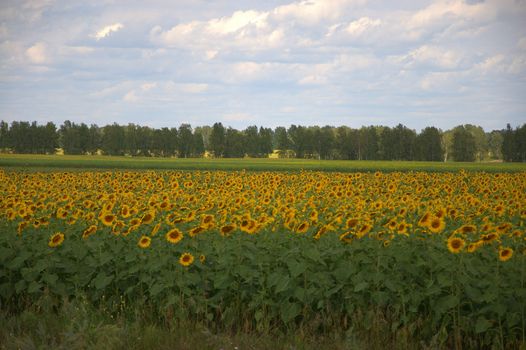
(146, 253)
(111, 162)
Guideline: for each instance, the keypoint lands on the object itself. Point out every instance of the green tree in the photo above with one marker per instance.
(113, 140)
(198, 148)
(234, 144)
(265, 141)
(464, 147)
(217, 140)
(428, 145)
(186, 141)
(494, 141)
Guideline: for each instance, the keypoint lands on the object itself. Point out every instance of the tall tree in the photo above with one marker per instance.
(234, 144)
(113, 140)
(265, 142)
(428, 145)
(464, 147)
(217, 140)
(186, 141)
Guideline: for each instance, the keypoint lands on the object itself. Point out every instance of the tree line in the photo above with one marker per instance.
(461, 143)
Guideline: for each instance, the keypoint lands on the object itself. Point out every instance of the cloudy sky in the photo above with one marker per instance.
(270, 63)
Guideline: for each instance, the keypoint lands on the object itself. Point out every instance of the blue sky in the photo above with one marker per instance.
(270, 63)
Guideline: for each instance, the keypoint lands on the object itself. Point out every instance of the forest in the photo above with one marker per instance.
(464, 143)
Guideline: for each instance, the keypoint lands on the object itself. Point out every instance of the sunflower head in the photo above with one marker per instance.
(144, 242)
(56, 240)
(505, 254)
(186, 259)
(174, 236)
(455, 244)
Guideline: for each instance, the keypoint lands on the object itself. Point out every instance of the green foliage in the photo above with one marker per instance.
(276, 280)
(40, 162)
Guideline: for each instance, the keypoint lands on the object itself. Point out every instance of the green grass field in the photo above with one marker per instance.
(55, 162)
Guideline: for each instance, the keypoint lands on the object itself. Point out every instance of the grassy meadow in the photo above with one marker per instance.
(128, 253)
(21, 161)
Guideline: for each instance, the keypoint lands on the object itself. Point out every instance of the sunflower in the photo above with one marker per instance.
(174, 236)
(89, 231)
(125, 211)
(186, 259)
(504, 227)
(346, 237)
(107, 219)
(155, 229)
(226, 229)
(472, 247)
(466, 229)
(455, 244)
(490, 237)
(144, 242)
(148, 217)
(196, 230)
(425, 220)
(505, 254)
(437, 225)
(303, 227)
(364, 229)
(202, 258)
(351, 223)
(56, 240)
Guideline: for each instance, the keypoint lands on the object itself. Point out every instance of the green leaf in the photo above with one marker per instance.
(34, 287)
(361, 286)
(342, 274)
(289, 311)
(313, 254)
(102, 280)
(156, 289)
(282, 284)
(6, 290)
(446, 303)
(50, 279)
(482, 325)
(20, 286)
(296, 268)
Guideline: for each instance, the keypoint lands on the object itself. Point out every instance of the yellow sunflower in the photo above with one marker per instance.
(56, 240)
(227, 229)
(186, 259)
(144, 242)
(148, 217)
(89, 231)
(303, 227)
(505, 254)
(455, 244)
(174, 236)
(437, 225)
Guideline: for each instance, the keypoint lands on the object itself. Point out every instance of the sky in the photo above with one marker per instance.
(268, 63)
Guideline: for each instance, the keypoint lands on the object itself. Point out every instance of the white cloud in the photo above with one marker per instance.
(237, 21)
(314, 11)
(194, 88)
(106, 31)
(434, 56)
(238, 117)
(148, 86)
(360, 26)
(131, 97)
(313, 80)
(211, 54)
(521, 44)
(37, 53)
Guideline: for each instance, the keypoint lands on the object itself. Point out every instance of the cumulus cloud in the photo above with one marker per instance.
(107, 30)
(37, 53)
(306, 59)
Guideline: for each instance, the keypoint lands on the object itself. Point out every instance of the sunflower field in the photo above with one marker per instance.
(437, 256)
